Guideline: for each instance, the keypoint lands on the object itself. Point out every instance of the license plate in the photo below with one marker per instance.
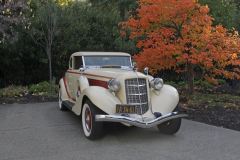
(125, 108)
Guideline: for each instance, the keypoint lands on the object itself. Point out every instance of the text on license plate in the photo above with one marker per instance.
(125, 108)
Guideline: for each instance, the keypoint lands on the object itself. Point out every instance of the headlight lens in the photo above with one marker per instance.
(156, 83)
(114, 85)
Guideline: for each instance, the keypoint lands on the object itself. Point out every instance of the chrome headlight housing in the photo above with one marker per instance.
(113, 85)
(156, 83)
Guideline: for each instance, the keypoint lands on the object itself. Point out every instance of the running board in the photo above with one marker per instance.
(68, 104)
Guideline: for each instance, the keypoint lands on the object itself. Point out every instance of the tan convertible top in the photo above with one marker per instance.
(100, 53)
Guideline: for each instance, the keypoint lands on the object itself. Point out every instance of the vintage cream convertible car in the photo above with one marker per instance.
(105, 87)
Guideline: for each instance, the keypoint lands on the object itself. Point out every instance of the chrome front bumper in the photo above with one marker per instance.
(139, 122)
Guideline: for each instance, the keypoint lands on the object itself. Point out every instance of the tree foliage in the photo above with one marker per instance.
(93, 25)
(80, 26)
(179, 35)
(11, 14)
(43, 28)
(123, 6)
(64, 2)
(224, 12)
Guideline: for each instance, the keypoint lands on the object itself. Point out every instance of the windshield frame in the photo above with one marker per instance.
(122, 67)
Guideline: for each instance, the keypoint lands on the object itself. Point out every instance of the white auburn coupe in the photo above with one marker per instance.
(105, 87)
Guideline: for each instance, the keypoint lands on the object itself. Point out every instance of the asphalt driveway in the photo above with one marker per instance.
(40, 131)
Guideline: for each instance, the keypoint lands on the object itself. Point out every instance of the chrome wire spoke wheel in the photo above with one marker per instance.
(87, 120)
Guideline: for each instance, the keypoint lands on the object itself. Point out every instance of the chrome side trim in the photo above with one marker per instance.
(139, 122)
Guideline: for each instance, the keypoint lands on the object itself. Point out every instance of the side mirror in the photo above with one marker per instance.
(145, 71)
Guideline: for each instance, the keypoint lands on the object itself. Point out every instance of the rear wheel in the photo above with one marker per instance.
(92, 129)
(170, 127)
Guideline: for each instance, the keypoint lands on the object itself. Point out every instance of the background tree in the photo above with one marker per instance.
(64, 2)
(93, 28)
(81, 25)
(123, 6)
(43, 28)
(224, 12)
(11, 14)
(179, 35)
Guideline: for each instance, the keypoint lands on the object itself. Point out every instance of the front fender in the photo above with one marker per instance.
(100, 97)
(165, 100)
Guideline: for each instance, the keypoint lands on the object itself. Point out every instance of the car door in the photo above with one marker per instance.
(69, 78)
(77, 64)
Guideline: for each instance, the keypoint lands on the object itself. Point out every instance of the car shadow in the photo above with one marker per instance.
(133, 133)
(120, 131)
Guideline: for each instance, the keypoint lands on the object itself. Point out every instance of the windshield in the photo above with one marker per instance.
(107, 61)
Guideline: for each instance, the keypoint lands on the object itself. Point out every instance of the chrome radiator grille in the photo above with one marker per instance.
(136, 94)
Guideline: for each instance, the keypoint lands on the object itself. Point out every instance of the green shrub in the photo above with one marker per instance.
(43, 88)
(13, 91)
(221, 81)
(172, 83)
(203, 84)
(178, 85)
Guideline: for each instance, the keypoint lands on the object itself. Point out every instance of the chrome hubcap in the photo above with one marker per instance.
(88, 119)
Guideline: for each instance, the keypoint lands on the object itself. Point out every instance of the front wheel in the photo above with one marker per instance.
(170, 127)
(92, 129)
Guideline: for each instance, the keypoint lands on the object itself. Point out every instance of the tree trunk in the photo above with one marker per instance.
(190, 78)
(122, 12)
(49, 54)
(50, 69)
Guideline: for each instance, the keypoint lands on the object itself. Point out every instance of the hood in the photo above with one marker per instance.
(110, 73)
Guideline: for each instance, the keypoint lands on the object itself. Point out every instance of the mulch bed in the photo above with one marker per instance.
(27, 99)
(218, 116)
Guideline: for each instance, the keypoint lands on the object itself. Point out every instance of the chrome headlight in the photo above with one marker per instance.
(113, 85)
(156, 83)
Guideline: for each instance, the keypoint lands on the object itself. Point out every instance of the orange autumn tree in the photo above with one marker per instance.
(178, 35)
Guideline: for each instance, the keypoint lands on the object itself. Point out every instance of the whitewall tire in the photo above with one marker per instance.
(91, 129)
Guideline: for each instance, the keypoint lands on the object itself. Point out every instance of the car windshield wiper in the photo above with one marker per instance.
(110, 66)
